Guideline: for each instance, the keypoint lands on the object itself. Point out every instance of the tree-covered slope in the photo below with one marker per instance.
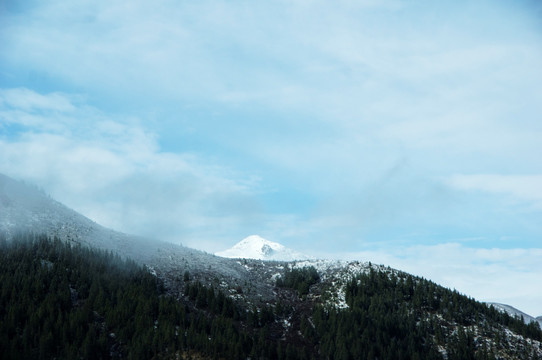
(393, 315)
(64, 301)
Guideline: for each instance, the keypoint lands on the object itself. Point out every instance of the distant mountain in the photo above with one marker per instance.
(512, 311)
(256, 247)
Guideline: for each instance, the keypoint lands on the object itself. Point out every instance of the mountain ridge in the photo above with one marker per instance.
(25, 207)
(516, 313)
(289, 290)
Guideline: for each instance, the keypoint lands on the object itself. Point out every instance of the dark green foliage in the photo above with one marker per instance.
(299, 279)
(64, 302)
(391, 317)
(378, 323)
(67, 302)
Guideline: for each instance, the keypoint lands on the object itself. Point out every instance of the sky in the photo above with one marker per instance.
(407, 133)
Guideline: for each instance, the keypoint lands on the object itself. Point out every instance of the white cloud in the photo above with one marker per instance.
(361, 106)
(112, 170)
(521, 187)
(390, 74)
(28, 100)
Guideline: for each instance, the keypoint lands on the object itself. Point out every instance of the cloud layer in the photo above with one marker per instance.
(112, 169)
(348, 127)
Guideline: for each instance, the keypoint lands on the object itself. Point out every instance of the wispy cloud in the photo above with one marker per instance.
(355, 124)
(113, 170)
(307, 96)
(525, 188)
(28, 100)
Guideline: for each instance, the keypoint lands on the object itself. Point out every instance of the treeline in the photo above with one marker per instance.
(402, 317)
(67, 302)
(63, 301)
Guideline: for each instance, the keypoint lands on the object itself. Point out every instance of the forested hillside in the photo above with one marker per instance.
(62, 301)
(65, 301)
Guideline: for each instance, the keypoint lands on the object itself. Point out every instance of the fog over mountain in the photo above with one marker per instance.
(24, 207)
(263, 288)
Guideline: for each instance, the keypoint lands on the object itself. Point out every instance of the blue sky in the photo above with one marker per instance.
(402, 132)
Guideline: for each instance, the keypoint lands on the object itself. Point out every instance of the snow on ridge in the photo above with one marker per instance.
(256, 247)
(512, 311)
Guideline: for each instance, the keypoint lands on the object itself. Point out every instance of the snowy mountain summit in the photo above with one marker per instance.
(256, 247)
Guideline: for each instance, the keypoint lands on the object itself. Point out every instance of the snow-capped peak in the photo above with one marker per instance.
(256, 247)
